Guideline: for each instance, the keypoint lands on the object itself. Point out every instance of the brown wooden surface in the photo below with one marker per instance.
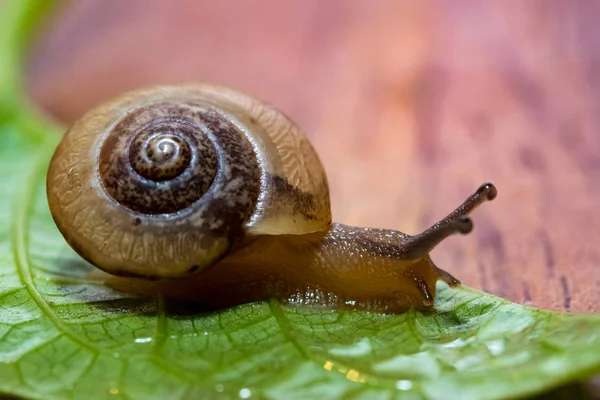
(411, 105)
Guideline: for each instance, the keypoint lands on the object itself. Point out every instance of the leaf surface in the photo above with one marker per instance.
(64, 335)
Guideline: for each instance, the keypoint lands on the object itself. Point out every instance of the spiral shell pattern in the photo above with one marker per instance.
(163, 158)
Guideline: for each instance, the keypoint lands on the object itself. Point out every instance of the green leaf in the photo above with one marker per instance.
(63, 335)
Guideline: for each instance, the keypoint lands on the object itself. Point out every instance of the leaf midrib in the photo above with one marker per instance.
(21, 210)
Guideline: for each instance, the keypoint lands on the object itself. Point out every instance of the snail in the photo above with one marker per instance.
(204, 193)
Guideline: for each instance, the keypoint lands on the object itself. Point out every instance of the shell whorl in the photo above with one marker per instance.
(162, 158)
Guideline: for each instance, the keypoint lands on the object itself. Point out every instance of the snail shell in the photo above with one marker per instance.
(163, 181)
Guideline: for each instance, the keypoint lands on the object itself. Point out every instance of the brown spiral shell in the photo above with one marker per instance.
(160, 182)
(161, 159)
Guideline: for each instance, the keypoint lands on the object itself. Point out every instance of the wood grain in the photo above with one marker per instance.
(411, 106)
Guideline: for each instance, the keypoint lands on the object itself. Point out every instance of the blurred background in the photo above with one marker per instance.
(410, 104)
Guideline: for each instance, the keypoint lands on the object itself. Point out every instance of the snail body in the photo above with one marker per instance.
(205, 183)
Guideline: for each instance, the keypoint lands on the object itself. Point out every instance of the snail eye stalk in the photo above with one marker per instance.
(457, 221)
